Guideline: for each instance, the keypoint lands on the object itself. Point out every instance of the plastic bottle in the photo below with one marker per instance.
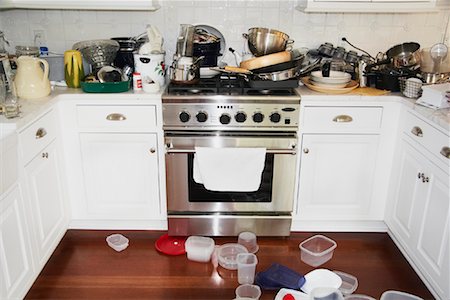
(137, 81)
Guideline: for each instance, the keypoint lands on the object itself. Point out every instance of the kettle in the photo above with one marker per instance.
(31, 82)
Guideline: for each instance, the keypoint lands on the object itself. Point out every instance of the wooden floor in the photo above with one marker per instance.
(84, 267)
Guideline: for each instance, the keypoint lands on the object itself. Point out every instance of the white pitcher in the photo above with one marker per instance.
(31, 81)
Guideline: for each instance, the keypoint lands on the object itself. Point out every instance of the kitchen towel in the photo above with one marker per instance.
(229, 169)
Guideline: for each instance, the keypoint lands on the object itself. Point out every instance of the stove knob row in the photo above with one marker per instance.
(184, 116)
(258, 117)
(275, 117)
(225, 119)
(240, 117)
(202, 116)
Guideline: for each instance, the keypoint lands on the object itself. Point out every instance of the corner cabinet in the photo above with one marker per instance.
(368, 6)
(419, 213)
(150, 5)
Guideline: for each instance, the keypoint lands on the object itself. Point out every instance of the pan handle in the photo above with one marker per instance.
(245, 35)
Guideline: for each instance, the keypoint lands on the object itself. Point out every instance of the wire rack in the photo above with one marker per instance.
(410, 88)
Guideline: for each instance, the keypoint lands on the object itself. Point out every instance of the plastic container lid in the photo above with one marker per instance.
(349, 283)
(358, 297)
(397, 295)
(171, 245)
(117, 241)
(279, 276)
(199, 248)
(227, 255)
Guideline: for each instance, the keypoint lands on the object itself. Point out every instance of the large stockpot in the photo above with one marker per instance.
(263, 41)
(404, 55)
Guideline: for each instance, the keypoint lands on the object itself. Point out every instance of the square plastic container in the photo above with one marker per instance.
(279, 276)
(118, 242)
(349, 283)
(397, 295)
(199, 248)
(317, 250)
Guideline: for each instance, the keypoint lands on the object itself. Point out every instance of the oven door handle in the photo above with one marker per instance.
(271, 151)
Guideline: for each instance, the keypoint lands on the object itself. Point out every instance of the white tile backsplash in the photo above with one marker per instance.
(372, 32)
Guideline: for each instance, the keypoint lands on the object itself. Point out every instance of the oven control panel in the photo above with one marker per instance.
(219, 116)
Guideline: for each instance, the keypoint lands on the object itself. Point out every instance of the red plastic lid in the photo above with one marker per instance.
(171, 245)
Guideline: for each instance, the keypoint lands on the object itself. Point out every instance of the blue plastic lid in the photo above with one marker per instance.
(279, 276)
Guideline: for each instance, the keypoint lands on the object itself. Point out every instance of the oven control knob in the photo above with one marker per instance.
(184, 116)
(240, 117)
(225, 119)
(275, 117)
(258, 117)
(201, 117)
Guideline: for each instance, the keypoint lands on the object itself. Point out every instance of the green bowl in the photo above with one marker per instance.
(106, 87)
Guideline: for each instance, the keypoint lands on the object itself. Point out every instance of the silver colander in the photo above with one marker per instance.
(98, 53)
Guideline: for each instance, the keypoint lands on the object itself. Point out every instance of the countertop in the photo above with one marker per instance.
(30, 109)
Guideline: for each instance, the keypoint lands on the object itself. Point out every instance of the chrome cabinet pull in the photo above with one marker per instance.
(306, 150)
(342, 119)
(152, 150)
(115, 117)
(417, 131)
(40, 133)
(45, 155)
(445, 151)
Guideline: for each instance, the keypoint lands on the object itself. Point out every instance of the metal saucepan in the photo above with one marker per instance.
(263, 41)
(404, 55)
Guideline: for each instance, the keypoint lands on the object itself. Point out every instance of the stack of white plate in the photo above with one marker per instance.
(336, 79)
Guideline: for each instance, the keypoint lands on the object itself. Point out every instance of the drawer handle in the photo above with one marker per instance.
(116, 117)
(40, 133)
(417, 131)
(445, 151)
(342, 119)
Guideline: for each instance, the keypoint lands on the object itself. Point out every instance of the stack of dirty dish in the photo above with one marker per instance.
(336, 79)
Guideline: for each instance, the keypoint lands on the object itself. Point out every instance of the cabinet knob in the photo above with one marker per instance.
(445, 151)
(40, 133)
(45, 155)
(115, 117)
(342, 119)
(306, 150)
(152, 150)
(417, 131)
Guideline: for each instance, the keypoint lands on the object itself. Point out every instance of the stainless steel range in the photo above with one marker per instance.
(224, 112)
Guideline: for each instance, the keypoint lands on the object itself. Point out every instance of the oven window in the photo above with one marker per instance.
(198, 193)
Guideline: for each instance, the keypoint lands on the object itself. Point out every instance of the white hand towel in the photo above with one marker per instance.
(229, 169)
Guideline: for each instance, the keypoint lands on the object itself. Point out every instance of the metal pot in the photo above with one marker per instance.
(185, 70)
(404, 55)
(263, 41)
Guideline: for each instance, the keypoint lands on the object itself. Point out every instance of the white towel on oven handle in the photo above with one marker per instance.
(229, 169)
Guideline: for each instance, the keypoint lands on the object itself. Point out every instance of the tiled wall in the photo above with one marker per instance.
(373, 32)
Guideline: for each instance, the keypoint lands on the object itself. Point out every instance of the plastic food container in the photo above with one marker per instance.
(199, 248)
(317, 250)
(248, 240)
(349, 283)
(321, 293)
(248, 292)
(358, 297)
(279, 276)
(227, 255)
(397, 295)
(118, 242)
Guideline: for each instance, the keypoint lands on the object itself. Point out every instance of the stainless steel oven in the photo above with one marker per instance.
(231, 121)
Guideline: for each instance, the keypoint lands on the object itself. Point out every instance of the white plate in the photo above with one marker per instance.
(329, 85)
(335, 77)
(321, 278)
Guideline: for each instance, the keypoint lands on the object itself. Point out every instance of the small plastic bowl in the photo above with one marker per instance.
(317, 250)
(349, 283)
(199, 248)
(118, 242)
(397, 295)
(358, 297)
(322, 293)
(248, 240)
(227, 255)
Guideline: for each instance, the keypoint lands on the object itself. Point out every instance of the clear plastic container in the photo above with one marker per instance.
(358, 297)
(397, 295)
(199, 248)
(279, 276)
(322, 293)
(248, 239)
(118, 242)
(246, 267)
(317, 250)
(227, 255)
(349, 283)
(248, 292)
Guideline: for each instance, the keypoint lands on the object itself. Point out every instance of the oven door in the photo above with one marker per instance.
(275, 195)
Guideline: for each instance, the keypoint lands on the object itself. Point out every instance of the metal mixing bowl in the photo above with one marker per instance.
(263, 41)
(98, 53)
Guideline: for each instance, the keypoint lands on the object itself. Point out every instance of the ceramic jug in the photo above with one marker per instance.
(31, 81)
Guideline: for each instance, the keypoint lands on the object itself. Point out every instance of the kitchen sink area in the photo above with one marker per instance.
(166, 125)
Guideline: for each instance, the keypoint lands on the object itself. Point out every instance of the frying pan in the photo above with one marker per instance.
(402, 55)
(281, 66)
(266, 60)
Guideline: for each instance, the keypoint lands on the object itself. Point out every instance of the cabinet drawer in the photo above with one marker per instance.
(342, 119)
(116, 118)
(426, 135)
(37, 136)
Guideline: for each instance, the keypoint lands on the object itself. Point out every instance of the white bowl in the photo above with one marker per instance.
(118, 242)
(329, 85)
(321, 278)
(335, 77)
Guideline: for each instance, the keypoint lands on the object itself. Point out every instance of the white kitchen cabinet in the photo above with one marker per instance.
(368, 6)
(121, 175)
(150, 5)
(16, 264)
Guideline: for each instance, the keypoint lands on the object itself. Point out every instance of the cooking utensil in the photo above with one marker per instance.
(185, 70)
(263, 41)
(404, 55)
(185, 40)
(98, 53)
(281, 66)
(266, 60)
(438, 53)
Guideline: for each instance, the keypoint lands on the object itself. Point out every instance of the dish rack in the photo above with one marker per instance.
(410, 89)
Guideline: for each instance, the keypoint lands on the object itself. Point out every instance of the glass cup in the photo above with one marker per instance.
(246, 267)
(248, 292)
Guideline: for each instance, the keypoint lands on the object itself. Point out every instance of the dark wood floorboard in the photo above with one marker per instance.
(85, 267)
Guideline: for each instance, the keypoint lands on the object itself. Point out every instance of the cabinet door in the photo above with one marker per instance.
(336, 177)
(47, 207)
(15, 253)
(121, 175)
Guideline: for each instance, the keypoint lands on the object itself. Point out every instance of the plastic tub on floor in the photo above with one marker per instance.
(349, 283)
(199, 248)
(397, 295)
(358, 297)
(317, 250)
